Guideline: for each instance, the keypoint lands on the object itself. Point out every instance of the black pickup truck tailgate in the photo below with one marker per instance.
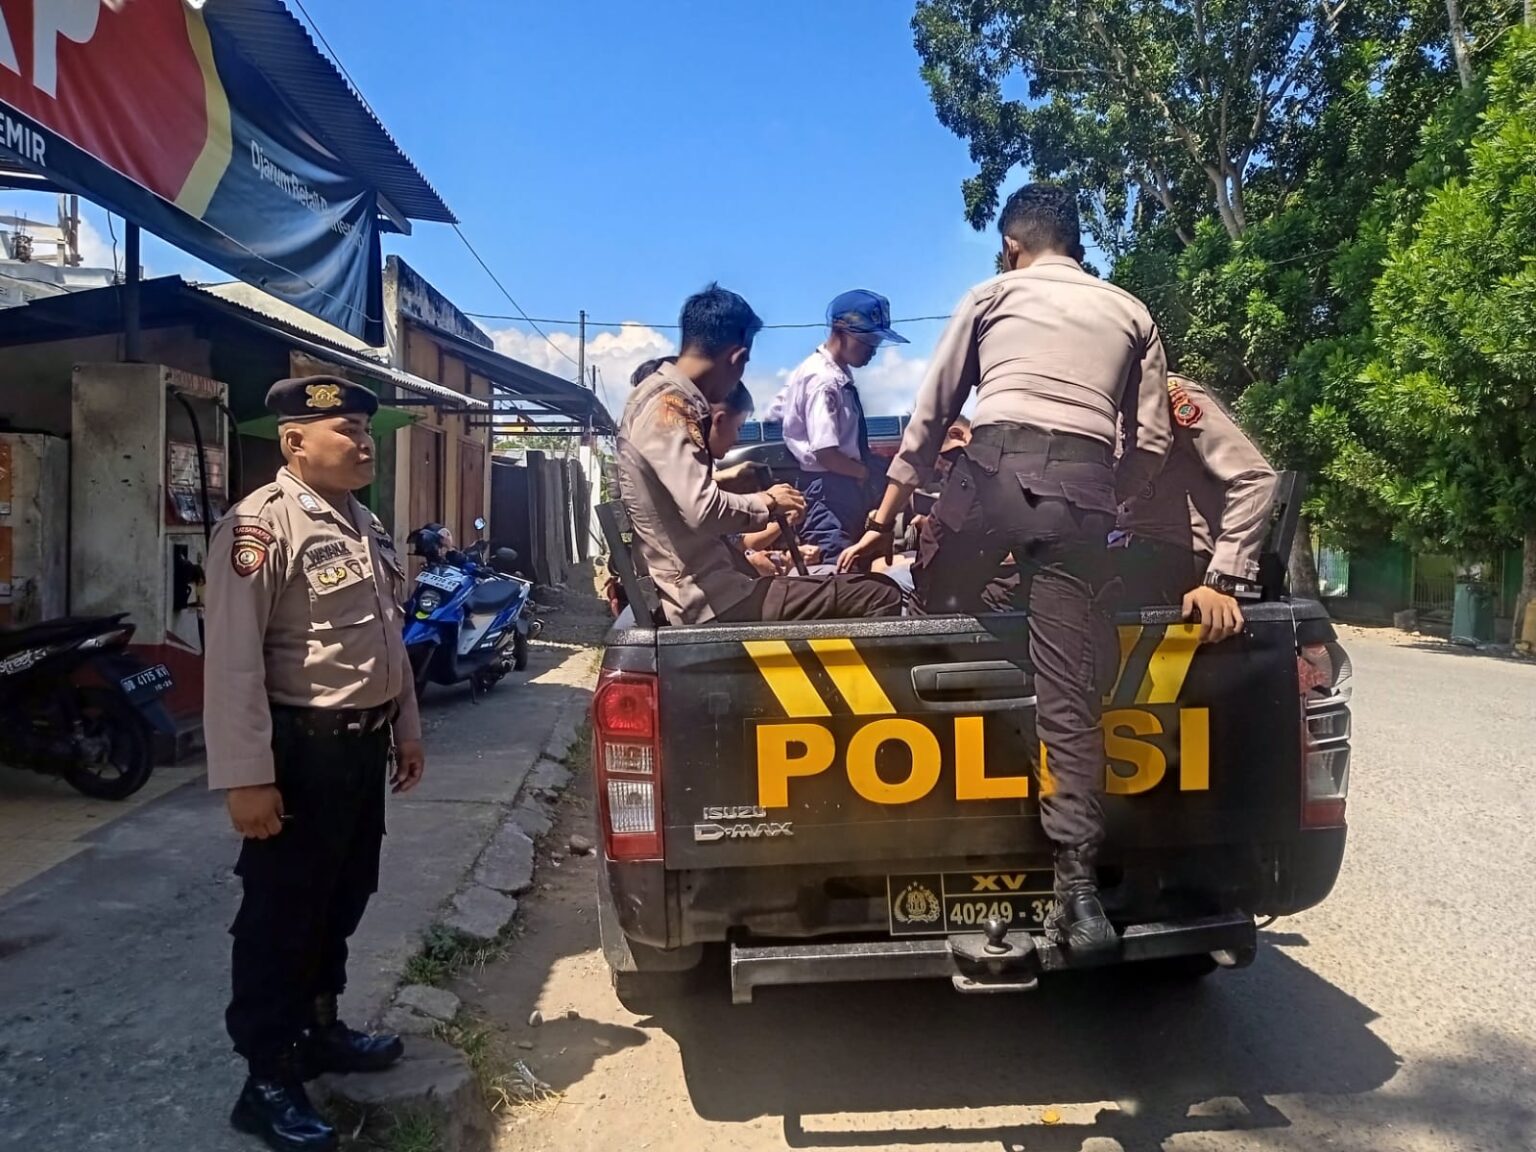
(914, 738)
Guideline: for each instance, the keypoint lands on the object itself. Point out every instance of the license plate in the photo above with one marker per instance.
(441, 583)
(147, 684)
(939, 904)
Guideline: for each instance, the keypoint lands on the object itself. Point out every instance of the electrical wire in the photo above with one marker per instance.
(357, 90)
(668, 327)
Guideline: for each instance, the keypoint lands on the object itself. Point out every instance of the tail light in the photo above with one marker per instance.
(625, 746)
(1323, 674)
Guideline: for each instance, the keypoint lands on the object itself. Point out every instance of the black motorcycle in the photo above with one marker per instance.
(75, 703)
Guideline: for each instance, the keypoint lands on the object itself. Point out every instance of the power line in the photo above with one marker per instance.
(356, 88)
(535, 320)
(521, 315)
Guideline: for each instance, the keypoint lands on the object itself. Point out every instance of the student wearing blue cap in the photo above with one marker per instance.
(824, 426)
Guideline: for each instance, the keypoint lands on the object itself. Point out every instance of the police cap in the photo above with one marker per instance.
(316, 397)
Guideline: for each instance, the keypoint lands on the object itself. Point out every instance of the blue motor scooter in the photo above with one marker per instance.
(468, 617)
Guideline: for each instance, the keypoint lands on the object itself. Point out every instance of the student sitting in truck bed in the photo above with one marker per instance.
(680, 515)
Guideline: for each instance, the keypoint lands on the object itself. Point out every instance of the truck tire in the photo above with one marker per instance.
(645, 979)
(1177, 969)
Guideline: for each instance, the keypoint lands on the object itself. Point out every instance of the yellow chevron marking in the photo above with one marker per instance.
(853, 677)
(1129, 634)
(1169, 666)
(212, 162)
(787, 680)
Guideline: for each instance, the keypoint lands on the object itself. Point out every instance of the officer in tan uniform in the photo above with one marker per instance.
(1192, 536)
(307, 692)
(1056, 358)
(681, 516)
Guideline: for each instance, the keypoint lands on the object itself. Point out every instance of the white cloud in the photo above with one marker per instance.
(615, 353)
(96, 249)
(889, 385)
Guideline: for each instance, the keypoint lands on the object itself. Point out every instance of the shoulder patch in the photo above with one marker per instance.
(1186, 413)
(675, 411)
(252, 545)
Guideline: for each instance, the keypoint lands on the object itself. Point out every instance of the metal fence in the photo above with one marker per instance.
(1434, 584)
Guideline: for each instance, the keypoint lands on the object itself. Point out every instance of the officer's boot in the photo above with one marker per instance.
(1078, 922)
(274, 1106)
(333, 1047)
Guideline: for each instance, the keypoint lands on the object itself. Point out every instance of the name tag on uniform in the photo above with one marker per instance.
(327, 578)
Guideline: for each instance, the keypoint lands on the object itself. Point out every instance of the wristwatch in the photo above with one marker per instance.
(1232, 586)
(873, 525)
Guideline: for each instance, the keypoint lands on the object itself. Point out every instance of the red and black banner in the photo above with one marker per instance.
(148, 110)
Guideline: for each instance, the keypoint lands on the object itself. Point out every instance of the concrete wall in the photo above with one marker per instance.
(34, 535)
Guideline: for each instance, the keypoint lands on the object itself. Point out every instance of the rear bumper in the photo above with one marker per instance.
(1231, 939)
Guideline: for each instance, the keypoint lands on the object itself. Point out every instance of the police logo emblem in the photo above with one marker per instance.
(916, 904)
(250, 549)
(322, 397)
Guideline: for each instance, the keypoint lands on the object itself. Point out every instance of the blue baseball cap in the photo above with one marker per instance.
(865, 314)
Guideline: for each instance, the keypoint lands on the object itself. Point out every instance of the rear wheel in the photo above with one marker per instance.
(519, 651)
(114, 751)
(1177, 969)
(421, 665)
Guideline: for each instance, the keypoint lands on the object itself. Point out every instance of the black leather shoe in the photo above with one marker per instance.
(279, 1112)
(330, 1046)
(1078, 922)
(337, 1048)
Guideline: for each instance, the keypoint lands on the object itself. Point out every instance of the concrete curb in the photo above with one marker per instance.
(434, 1083)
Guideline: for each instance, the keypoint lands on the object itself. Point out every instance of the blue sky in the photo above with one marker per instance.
(615, 156)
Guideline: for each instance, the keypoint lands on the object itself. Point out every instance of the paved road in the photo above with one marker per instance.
(1396, 1016)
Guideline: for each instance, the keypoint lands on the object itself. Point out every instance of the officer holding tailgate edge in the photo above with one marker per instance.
(1193, 535)
(681, 516)
(1055, 356)
(307, 691)
(824, 425)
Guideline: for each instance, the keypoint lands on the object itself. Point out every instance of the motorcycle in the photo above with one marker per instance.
(75, 703)
(468, 618)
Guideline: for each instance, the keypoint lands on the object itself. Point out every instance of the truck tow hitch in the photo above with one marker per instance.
(993, 961)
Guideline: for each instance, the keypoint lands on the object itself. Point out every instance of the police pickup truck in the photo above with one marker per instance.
(858, 800)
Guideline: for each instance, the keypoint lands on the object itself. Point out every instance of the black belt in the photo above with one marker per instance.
(334, 721)
(1024, 438)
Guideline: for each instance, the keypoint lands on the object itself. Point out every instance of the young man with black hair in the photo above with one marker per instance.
(1056, 357)
(681, 516)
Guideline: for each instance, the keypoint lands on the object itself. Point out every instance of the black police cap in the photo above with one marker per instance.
(316, 397)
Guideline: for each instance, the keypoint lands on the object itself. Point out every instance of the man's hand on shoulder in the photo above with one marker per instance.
(255, 811)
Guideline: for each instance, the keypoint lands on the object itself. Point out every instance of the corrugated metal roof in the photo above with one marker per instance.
(514, 378)
(273, 39)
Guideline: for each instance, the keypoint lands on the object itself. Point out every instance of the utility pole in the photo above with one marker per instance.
(581, 350)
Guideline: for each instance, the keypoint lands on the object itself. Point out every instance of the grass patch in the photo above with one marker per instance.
(506, 1084)
(578, 757)
(445, 953)
(411, 1132)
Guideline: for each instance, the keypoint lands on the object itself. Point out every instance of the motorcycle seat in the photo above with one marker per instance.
(493, 595)
(56, 631)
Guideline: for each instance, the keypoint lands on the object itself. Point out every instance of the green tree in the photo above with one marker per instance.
(1455, 319)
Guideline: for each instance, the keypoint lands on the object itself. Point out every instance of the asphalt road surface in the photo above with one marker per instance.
(1397, 1015)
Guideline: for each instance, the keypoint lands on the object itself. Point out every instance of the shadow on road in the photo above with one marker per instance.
(1155, 1050)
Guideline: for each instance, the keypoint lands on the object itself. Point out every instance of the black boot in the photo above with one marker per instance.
(333, 1047)
(1078, 923)
(274, 1106)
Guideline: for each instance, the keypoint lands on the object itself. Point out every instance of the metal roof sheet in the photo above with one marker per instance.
(275, 41)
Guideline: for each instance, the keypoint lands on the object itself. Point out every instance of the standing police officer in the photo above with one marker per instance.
(1056, 357)
(307, 688)
(824, 425)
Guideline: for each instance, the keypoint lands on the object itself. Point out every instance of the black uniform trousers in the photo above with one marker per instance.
(845, 596)
(1157, 573)
(306, 888)
(1049, 500)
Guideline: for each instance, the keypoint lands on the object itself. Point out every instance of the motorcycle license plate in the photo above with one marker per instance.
(441, 583)
(935, 904)
(148, 684)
